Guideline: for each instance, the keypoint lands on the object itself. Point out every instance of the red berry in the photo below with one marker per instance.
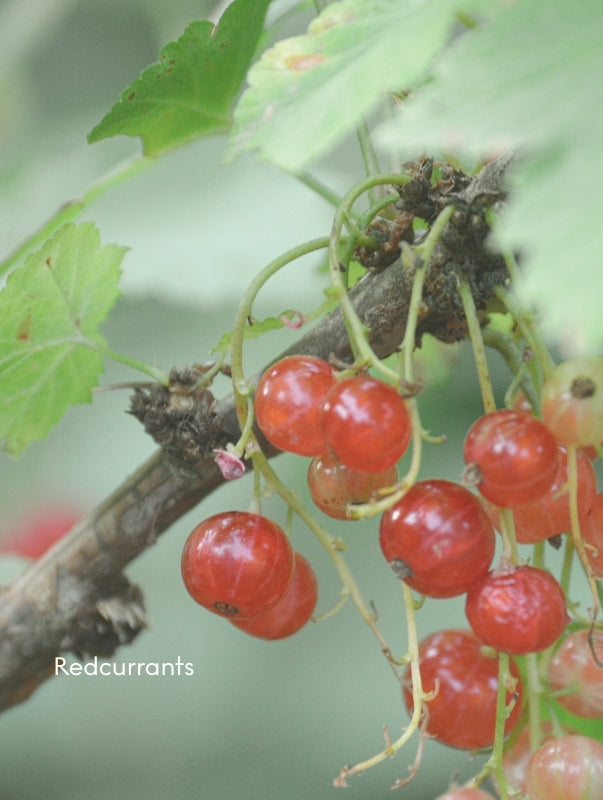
(572, 401)
(517, 610)
(463, 712)
(465, 794)
(517, 757)
(36, 532)
(237, 564)
(366, 424)
(550, 514)
(574, 668)
(567, 768)
(591, 528)
(438, 538)
(333, 486)
(287, 400)
(291, 612)
(513, 455)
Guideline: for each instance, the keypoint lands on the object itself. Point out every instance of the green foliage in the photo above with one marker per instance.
(530, 80)
(50, 310)
(191, 91)
(309, 91)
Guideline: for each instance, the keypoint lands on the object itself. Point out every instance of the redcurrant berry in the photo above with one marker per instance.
(366, 424)
(591, 528)
(463, 793)
(333, 486)
(463, 712)
(291, 612)
(517, 757)
(287, 400)
(237, 564)
(567, 768)
(35, 533)
(572, 401)
(517, 610)
(438, 538)
(573, 668)
(550, 515)
(511, 456)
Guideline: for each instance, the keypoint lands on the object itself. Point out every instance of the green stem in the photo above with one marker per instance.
(496, 758)
(477, 342)
(533, 690)
(319, 188)
(147, 369)
(369, 156)
(70, 210)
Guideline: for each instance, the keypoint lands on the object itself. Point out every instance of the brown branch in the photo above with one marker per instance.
(76, 597)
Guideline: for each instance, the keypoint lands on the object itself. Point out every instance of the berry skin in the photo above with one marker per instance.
(517, 757)
(550, 514)
(237, 564)
(463, 712)
(573, 667)
(572, 401)
(34, 534)
(287, 400)
(333, 486)
(365, 423)
(511, 456)
(465, 794)
(591, 528)
(517, 610)
(567, 768)
(291, 612)
(438, 538)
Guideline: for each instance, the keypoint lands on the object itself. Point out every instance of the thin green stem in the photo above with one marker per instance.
(534, 690)
(496, 758)
(70, 210)
(572, 476)
(369, 156)
(147, 369)
(319, 188)
(477, 342)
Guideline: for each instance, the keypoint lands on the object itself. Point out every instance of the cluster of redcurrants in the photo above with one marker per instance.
(439, 537)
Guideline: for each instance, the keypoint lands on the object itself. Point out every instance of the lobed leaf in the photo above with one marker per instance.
(530, 80)
(50, 310)
(307, 92)
(190, 93)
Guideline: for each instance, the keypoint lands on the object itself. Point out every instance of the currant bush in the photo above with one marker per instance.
(517, 610)
(438, 538)
(287, 400)
(572, 401)
(237, 564)
(511, 456)
(463, 711)
(365, 423)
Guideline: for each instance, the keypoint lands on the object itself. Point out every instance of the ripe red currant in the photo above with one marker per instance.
(511, 457)
(517, 610)
(567, 768)
(35, 533)
(291, 612)
(333, 486)
(287, 400)
(591, 528)
(463, 793)
(572, 401)
(438, 538)
(365, 423)
(237, 564)
(550, 514)
(574, 669)
(463, 712)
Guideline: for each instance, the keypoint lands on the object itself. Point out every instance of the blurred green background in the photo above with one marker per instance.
(257, 720)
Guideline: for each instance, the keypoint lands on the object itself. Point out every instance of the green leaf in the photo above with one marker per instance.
(307, 92)
(190, 93)
(530, 80)
(50, 310)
